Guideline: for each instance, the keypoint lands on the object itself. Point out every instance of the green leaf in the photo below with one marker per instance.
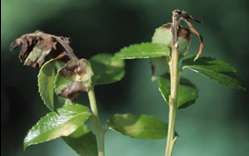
(163, 35)
(46, 79)
(139, 127)
(83, 142)
(107, 69)
(215, 69)
(187, 92)
(143, 50)
(56, 124)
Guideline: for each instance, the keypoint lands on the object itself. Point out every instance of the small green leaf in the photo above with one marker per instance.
(187, 92)
(46, 79)
(215, 69)
(83, 142)
(56, 124)
(143, 50)
(163, 35)
(139, 127)
(107, 69)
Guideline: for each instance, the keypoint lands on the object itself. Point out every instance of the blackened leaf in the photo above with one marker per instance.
(215, 69)
(35, 47)
(107, 69)
(73, 78)
(83, 142)
(57, 124)
(187, 92)
(138, 126)
(143, 50)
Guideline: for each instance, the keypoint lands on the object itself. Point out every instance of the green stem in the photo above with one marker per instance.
(99, 129)
(174, 80)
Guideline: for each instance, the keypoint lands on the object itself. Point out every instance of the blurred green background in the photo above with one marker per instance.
(216, 125)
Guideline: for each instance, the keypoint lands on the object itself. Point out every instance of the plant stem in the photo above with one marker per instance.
(173, 65)
(99, 129)
(174, 80)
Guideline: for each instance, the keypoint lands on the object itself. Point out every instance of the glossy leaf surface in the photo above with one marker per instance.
(57, 124)
(107, 69)
(138, 126)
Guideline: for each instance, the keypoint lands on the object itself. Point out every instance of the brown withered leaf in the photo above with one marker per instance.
(73, 78)
(36, 46)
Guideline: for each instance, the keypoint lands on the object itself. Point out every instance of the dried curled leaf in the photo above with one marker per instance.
(73, 78)
(35, 47)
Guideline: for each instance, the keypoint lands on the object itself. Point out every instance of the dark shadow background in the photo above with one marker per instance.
(216, 125)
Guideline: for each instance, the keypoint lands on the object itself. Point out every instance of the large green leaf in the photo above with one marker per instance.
(143, 50)
(187, 92)
(56, 124)
(46, 79)
(140, 127)
(83, 142)
(215, 69)
(107, 69)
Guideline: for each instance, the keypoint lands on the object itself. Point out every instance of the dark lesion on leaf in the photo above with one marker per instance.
(37, 46)
(73, 90)
(75, 67)
(79, 74)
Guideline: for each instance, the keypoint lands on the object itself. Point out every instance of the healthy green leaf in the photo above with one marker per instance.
(139, 127)
(143, 50)
(215, 69)
(46, 79)
(187, 92)
(83, 142)
(56, 124)
(107, 69)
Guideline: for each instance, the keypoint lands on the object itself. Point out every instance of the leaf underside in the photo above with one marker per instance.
(187, 92)
(215, 69)
(83, 142)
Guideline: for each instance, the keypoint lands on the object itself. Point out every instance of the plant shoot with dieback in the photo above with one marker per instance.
(63, 77)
